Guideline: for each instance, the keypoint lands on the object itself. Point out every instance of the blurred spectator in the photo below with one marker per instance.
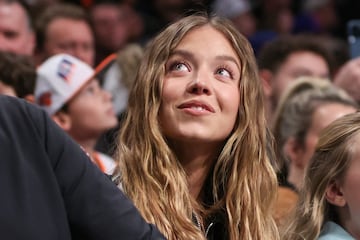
(317, 16)
(16, 30)
(306, 107)
(239, 12)
(69, 91)
(260, 38)
(17, 75)
(111, 29)
(134, 21)
(328, 207)
(270, 15)
(64, 28)
(286, 58)
(157, 14)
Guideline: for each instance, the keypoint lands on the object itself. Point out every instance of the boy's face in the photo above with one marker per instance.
(91, 112)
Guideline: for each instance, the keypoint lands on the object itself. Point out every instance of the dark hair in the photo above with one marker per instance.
(60, 10)
(275, 52)
(18, 72)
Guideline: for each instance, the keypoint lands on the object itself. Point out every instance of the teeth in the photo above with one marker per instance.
(198, 108)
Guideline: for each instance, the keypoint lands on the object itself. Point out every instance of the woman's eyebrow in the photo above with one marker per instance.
(183, 53)
(228, 58)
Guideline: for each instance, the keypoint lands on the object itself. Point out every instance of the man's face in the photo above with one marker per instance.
(110, 26)
(16, 34)
(297, 64)
(70, 36)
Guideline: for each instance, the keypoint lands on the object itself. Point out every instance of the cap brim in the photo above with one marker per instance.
(103, 66)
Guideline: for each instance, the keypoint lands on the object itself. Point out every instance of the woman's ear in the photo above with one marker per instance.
(63, 120)
(334, 194)
(294, 151)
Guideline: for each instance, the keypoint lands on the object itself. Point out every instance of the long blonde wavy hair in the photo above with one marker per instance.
(243, 180)
(329, 162)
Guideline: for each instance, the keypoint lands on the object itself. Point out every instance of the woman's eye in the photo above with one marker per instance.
(224, 72)
(179, 67)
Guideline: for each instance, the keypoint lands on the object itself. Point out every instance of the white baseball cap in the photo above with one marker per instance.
(61, 77)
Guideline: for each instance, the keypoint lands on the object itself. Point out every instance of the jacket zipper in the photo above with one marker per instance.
(198, 224)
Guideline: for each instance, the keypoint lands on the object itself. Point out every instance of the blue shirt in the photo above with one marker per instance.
(332, 231)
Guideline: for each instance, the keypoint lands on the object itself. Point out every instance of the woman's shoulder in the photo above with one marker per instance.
(333, 231)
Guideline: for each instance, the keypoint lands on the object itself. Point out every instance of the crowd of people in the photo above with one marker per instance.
(213, 119)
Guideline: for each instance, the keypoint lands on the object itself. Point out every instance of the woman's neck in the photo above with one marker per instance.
(197, 160)
(197, 174)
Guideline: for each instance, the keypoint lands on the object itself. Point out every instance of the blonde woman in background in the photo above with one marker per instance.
(329, 203)
(307, 107)
(192, 149)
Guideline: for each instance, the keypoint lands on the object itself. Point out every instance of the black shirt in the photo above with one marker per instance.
(49, 187)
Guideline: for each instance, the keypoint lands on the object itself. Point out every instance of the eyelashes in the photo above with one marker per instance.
(225, 71)
(181, 66)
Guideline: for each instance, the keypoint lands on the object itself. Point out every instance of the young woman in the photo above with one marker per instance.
(328, 207)
(192, 149)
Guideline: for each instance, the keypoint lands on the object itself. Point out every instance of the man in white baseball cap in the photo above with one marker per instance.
(69, 91)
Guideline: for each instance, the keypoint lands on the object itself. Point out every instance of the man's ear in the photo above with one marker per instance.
(334, 194)
(63, 120)
(266, 78)
(294, 151)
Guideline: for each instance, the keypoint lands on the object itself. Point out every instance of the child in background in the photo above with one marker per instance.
(69, 91)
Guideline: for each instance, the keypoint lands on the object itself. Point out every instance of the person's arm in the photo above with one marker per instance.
(96, 208)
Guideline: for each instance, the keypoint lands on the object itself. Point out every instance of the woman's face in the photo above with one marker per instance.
(322, 117)
(200, 97)
(349, 190)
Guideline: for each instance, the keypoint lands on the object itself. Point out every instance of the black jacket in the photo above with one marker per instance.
(51, 190)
